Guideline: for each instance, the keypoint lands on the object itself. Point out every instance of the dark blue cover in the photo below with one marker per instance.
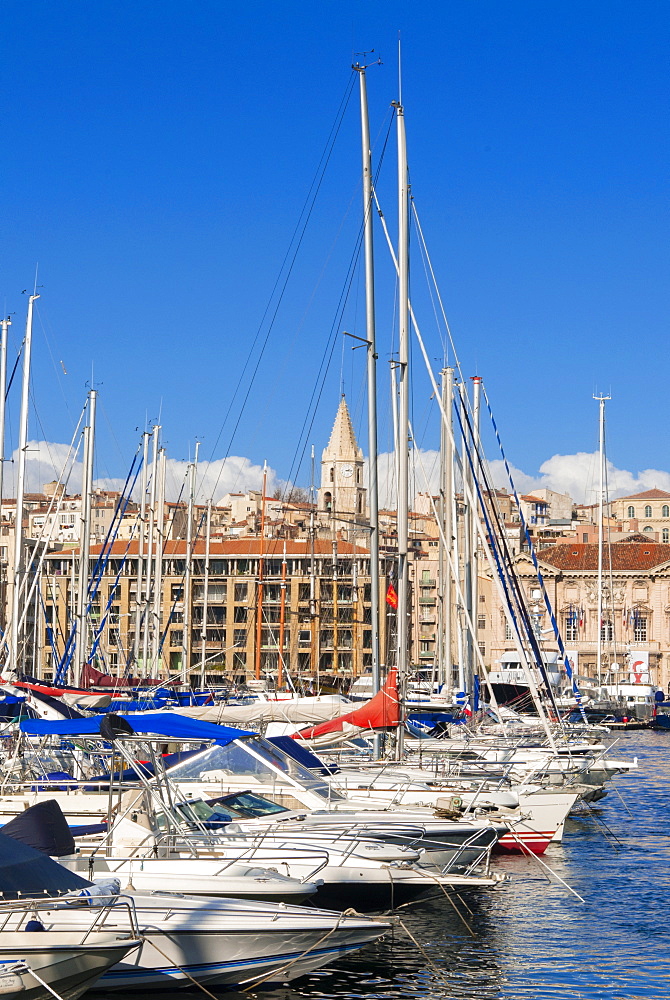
(43, 827)
(27, 872)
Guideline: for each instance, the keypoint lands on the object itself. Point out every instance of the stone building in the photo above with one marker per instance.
(635, 625)
(251, 608)
(648, 512)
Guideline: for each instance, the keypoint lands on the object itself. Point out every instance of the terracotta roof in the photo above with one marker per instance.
(272, 547)
(626, 555)
(654, 494)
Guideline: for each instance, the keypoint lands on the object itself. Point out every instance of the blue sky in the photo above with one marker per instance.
(156, 159)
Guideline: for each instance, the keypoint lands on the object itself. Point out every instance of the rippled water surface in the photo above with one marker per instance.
(532, 938)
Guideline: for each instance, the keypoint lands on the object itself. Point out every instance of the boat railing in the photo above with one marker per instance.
(100, 906)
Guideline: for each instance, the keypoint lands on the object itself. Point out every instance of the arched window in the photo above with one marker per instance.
(631, 512)
(648, 528)
(647, 510)
(666, 536)
(327, 501)
(665, 510)
(332, 474)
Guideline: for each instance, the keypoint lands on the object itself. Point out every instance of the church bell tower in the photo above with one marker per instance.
(342, 494)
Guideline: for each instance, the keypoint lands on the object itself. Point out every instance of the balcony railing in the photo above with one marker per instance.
(591, 645)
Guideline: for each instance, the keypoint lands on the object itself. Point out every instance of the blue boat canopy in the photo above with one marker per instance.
(167, 724)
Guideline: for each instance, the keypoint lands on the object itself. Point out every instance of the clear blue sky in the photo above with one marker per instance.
(156, 158)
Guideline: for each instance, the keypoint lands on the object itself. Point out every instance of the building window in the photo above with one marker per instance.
(481, 621)
(648, 528)
(639, 628)
(631, 512)
(482, 648)
(606, 631)
(647, 510)
(508, 632)
(571, 627)
(666, 535)
(665, 510)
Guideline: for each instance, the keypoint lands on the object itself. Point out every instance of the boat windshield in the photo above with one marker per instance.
(246, 805)
(256, 758)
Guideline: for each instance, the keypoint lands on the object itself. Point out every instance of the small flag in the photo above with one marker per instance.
(391, 596)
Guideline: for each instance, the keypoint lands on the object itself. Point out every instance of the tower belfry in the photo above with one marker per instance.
(342, 493)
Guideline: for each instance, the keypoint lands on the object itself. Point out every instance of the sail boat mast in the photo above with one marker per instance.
(445, 512)
(6, 323)
(601, 530)
(85, 537)
(373, 489)
(403, 415)
(188, 569)
(259, 585)
(20, 485)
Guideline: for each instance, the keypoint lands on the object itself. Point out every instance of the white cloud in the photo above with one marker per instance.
(424, 475)
(233, 474)
(47, 461)
(578, 476)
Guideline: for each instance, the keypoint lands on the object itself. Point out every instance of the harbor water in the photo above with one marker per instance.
(532, 938)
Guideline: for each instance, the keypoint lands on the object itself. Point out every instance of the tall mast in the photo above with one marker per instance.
(467, 536)
(259, 585)
(601, 531)
(205, 601)
(158, 561)
(141, 541)
(186, 631)
(6, 323)
(85, 537)
(282, 621)
(445, 591)
(314, 654)
(373, 486)
(19, 565)
(150, 549)
(403, 415)
(474, 544)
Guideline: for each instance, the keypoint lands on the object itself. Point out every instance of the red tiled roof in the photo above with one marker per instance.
(654, 494)
(626, 555)
(271, 547)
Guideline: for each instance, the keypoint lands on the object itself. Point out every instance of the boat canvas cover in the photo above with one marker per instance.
(166, 724)
(381, 712)
(27, 872)
(302, 755)
(42, 827)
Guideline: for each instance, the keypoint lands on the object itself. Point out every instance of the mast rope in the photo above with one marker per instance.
(531, 549)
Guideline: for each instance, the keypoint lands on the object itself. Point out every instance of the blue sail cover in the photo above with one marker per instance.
(167, 724)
